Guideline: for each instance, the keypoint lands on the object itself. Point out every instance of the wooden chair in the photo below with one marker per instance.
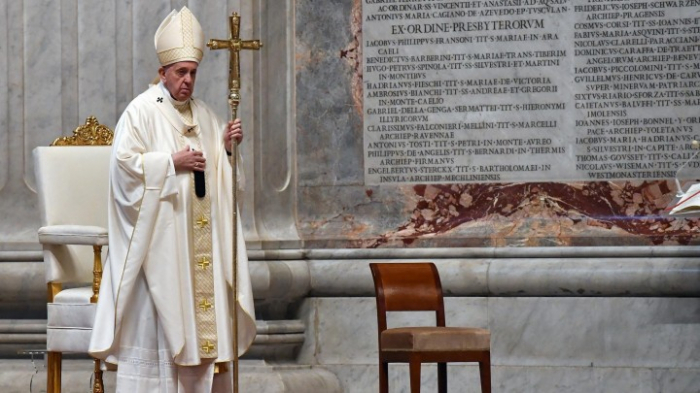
(416, 287)
(72, 185)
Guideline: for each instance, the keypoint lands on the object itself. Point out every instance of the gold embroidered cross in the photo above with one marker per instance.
(202, 222)
(203, 263)
(205, 305)
(207, 347)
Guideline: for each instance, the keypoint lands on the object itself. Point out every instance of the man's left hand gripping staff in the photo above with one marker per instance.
(234, 131)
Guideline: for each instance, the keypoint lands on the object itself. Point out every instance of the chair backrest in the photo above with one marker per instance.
(72, 186)
(407, 287)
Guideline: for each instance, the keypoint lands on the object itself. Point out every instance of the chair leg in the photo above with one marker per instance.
(485, 374)
(53, 374)
(442, 377)
(414, 370)
(97, 385)
(383, 377)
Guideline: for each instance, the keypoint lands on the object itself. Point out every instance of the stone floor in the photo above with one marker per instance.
(23, 375)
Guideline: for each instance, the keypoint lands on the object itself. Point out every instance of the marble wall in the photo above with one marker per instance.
(335, 208)
(65, 60)
(303, 111)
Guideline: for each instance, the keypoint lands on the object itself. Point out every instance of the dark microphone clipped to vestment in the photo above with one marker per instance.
(199, 185)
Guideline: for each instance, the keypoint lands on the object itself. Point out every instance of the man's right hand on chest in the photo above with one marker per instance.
(189, 160)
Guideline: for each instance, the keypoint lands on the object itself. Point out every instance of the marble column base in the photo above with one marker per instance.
(254, 376)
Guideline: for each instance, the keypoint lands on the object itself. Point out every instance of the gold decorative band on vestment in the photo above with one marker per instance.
(205, 306)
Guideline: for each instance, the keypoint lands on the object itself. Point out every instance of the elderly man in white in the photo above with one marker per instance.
(166, 306)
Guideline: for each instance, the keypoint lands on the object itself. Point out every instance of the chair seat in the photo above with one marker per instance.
(429, 339)
(73, 234)
(69, 320)
(71, 309)
(68, 340)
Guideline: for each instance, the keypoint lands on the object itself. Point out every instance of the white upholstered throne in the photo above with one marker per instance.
(72, 185)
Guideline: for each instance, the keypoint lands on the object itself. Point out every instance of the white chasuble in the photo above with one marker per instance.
(154, 319)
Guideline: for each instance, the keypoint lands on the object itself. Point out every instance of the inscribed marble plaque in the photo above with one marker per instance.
(529, 90)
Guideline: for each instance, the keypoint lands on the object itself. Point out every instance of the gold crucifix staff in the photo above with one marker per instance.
(234, 45)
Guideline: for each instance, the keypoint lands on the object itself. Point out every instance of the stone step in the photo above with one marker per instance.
(275, 340)
(22, 326)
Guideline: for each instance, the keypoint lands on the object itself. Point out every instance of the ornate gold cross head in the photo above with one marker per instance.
(234, 45)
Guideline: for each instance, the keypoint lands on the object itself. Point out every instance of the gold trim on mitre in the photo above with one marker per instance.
(179, 38)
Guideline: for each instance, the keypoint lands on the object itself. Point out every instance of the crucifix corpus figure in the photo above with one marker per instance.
(166, 313)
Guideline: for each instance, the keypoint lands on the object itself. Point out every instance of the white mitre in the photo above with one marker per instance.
(179, 38)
